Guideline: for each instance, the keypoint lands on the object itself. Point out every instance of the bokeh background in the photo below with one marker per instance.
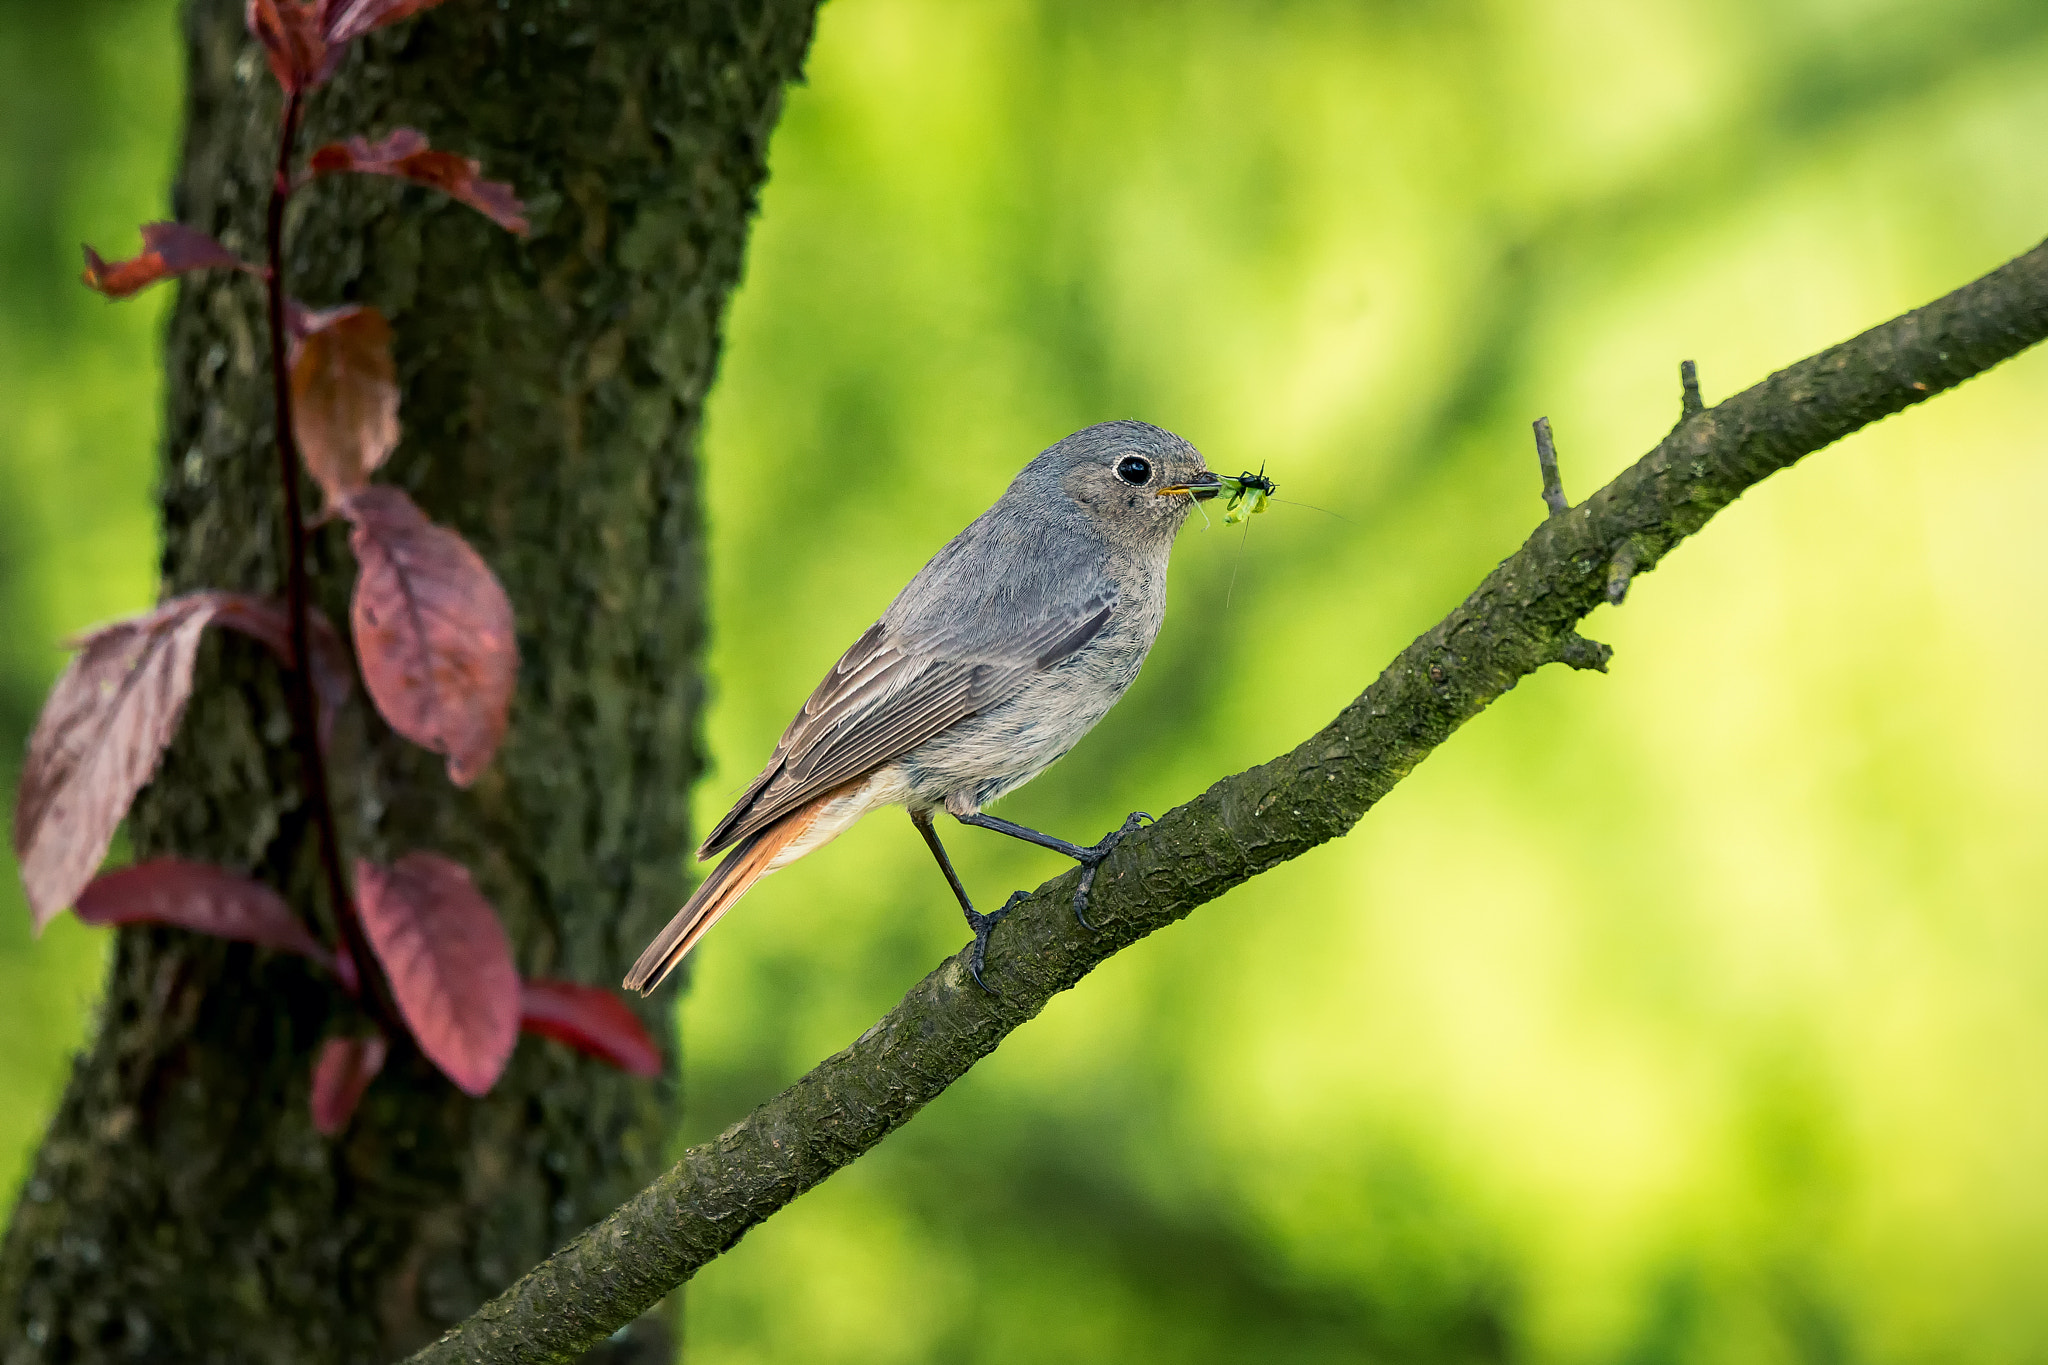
(1698, 1012)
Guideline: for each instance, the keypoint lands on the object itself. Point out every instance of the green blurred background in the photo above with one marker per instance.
(1694, 1013)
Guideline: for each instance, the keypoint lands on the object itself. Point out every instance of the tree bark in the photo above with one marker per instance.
(182, 1206)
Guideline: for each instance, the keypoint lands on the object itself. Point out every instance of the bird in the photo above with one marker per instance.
(1004, 650)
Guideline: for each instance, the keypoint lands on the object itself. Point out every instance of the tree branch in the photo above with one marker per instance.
(1546, 461)
(1520, 618)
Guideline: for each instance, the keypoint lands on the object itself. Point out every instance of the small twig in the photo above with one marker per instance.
(1620, 570)
(298, 595)
(1576, 651)
(1689, 400)
(1546, 456)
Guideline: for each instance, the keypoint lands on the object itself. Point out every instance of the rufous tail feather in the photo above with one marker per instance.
(718, 893)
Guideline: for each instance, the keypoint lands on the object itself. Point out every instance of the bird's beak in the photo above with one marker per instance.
(1201, 488)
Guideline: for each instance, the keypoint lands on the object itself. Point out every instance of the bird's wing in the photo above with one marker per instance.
(893, 691)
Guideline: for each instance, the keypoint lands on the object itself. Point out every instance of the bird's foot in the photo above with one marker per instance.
(983, 926)
(1092, 858)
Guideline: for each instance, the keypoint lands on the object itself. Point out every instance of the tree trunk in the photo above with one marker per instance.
(182, 1207)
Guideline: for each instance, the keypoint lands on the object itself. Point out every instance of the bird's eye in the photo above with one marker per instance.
(1134, 469)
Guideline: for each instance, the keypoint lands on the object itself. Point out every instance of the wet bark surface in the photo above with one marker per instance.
(182, 1207)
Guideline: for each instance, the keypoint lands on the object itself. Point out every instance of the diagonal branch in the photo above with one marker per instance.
(1520, 618)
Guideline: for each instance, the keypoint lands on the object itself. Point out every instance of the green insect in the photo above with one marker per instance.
(1248, 493)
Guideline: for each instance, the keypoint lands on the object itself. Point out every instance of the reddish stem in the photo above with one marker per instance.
(298, 593)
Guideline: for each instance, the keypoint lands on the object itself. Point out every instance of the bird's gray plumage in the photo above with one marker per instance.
(1005, 649)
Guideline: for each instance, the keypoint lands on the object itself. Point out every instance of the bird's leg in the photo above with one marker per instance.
(982, 925)
(1090, 858)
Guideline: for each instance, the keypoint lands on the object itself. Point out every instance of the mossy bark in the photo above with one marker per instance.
(182, 1206)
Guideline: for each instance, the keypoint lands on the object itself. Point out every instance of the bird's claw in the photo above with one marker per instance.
(983, 926)
(1092, 858)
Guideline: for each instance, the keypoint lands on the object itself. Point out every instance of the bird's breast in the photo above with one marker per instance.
(999, 749)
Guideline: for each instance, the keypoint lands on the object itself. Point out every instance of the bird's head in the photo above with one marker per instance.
(1133, 482)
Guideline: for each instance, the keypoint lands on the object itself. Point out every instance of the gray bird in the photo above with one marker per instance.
(1004, 650)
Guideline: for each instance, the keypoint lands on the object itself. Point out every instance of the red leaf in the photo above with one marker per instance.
(167, 249)
(347, 20)
(202, 898)
(589, 1019)
(341, 1073)
(105, 725)
(404, 155)
(449, 963)
(345, 970)
(344, 396)
(108, 718)
(433, 630)
(265, 619)
(293, 42)
(300, 320)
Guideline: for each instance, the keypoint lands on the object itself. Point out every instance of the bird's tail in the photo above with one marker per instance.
(750, 860)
